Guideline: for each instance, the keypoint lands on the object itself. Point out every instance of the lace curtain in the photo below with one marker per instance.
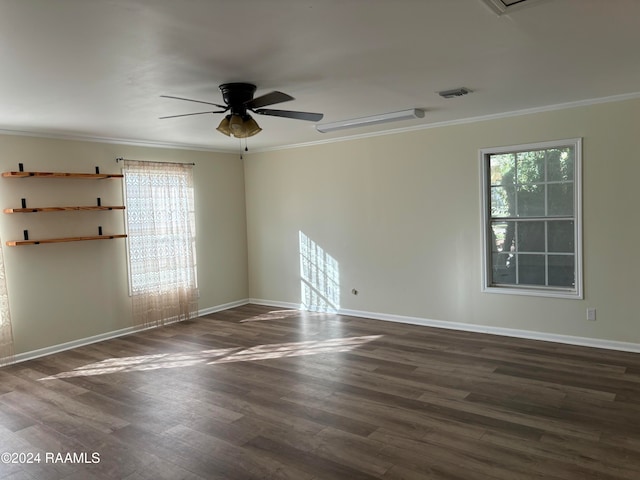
(6, 333)
(161, 241)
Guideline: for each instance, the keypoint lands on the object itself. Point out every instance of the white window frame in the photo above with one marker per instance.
(543, 291)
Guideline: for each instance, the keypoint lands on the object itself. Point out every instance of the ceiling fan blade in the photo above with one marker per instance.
(189, 114)
(268, 99)
(197, 101)
(311, 117)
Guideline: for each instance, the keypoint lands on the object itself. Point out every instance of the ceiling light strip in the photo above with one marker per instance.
(372, 120)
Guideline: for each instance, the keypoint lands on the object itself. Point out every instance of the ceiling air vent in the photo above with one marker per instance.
(456, 92)
(502, 7)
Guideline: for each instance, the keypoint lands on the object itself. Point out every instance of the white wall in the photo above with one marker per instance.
(401, 215)
(68, 291)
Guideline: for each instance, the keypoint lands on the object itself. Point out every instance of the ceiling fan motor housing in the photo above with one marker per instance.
(236, 95)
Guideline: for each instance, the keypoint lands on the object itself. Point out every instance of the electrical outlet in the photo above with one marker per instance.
(591, 314)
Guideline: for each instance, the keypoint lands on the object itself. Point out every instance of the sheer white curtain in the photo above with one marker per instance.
(161, 241)
(6, 333)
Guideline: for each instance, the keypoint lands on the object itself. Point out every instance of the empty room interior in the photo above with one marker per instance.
(302, 239)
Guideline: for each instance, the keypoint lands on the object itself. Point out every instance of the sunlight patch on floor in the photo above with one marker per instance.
(216, 356)
(279, 315)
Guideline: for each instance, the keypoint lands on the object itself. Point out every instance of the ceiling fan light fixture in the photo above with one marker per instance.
(224, 126)
(236, 125)
(371, 120)
(239, 126)
(251, 126)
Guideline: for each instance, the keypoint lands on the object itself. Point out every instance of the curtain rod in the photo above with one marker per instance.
(120, 159)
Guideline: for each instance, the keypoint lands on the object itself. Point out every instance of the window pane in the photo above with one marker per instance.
(560, 199)
(561, 236)
(530, 167)
(502, 169)
(562, 270)
(503, 268)
(531, 269)
(502, 204)
(531, 201)
(560, 164)
(530, 237)
(503, 235)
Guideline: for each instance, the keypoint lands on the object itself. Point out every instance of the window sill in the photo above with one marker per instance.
(536, 292)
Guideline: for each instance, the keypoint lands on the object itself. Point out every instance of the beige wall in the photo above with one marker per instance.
(401, 215)
(64, 292)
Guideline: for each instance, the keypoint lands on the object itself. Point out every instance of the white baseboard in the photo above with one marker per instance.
(274, 303)
(42, 352)
(506, 332)
(425, 322)
(224, 306)
(468, 327)
(61, 347)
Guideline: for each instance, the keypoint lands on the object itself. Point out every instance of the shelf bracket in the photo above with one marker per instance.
(25, 233)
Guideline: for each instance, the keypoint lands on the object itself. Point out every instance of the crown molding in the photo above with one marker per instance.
(462, 121)
(181, 146)
(109, 140)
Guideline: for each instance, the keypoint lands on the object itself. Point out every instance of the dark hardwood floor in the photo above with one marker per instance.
(260, 393)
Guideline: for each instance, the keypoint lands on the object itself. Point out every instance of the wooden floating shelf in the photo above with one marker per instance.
(17, 243)
(62, 209)
(61, 175)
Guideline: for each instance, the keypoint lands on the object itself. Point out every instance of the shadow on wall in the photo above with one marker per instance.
(319, 277)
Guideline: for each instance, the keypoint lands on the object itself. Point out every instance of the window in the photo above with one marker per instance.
(161, 241)
(531, 210)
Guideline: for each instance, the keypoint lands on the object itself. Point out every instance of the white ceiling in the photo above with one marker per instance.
(97, 68)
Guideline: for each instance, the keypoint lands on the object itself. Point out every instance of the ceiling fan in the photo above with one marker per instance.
(239, 100)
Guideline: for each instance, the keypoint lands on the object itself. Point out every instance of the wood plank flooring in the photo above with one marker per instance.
(260, 393)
